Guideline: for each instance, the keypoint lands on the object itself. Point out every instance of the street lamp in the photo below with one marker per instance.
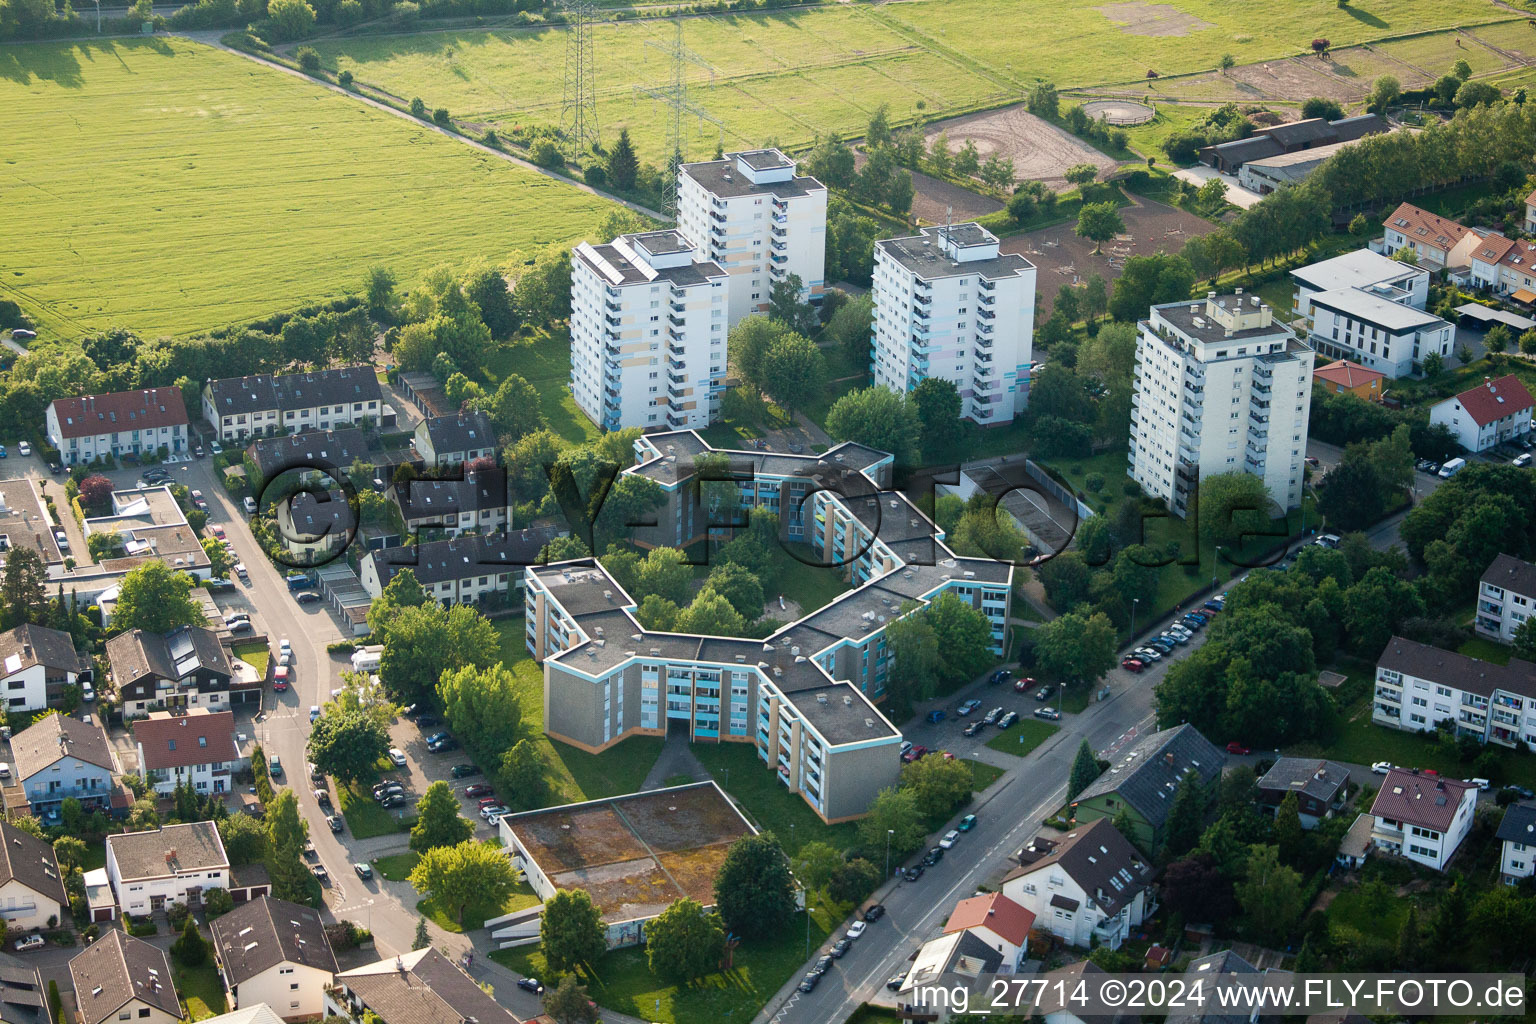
(1134, 602)
(1214, 564)
(888, 833)
(808, 909)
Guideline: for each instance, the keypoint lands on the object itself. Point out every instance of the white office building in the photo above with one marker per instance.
(648, 332)
(1221, 387)
(751, 215)
(948, 304)
(1369, 309)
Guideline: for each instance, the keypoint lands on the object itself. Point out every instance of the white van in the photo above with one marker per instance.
(1451, 468)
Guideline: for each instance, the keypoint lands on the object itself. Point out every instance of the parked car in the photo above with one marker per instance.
(198, 452)
(1049, 714)
(933, 856)
(30, 942)
(275, 767)
(915, 753)
(874, 912)
(906, 745)
(822, 965)
(950, 839)
(314, 713)
(936, 716)
(87, 692)
(1022, 685)
(808, 983)
(198, 501)
(393, 800)
(856, 929)
(1044, 693)
(967, 823)
(493, 811)
(62, 540)
(388, 791)
(306, 597)
(279, 676)
(335, 821)
(441, 743)
(396, 757)
(913, 873)
(530, 985)
(992, 716)
(478, 789)
(364, 871)
(215, 448)
(840, 948)
(1132, 664)
(1007, 720)
(216, 530)
(965, 709)
(426, 721)
(896, 981)
(24, 448)
(1520, 791)
(1382, 767)
(1311, 460)
(1237, 748)
(1147, 654)
(489, 801)
(463, 771)
(1000, 676)
(250, 505)
(974, 728)
(318, 870)
(23, 334)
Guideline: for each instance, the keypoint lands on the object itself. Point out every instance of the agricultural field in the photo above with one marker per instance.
(169, 187)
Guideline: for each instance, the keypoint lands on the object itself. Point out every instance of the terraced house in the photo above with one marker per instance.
(262, 405)
(94, 427)
(804, 695)
(1419, 686)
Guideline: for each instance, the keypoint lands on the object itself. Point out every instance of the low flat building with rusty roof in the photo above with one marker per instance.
(1423, 818)
(419, 987)
(92, 427)
(119, 977)
(274, 952)
(174, 864)
(37, 665)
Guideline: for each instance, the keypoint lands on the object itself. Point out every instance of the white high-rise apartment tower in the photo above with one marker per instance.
(949, 305)
(648, 332)
(1221, 387)
(751, 215)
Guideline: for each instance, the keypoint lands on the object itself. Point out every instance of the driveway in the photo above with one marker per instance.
(1237, 195)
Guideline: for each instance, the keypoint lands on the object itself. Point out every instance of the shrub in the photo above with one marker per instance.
(441, 118)
(176, 913)
(595, 176)
(491, 139)
(309, 60)
(418, 108)
(545, 154)
(345, 78)
(1094, 482)
(217, 902)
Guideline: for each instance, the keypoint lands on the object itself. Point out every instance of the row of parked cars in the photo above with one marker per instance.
(1177, 635)
(841, 947)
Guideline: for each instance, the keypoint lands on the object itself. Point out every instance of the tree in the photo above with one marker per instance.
(1320, 46)
(487, 288)
(1095, 297)
(1321, 106)
(571, 930)
(421, 643)
(787, 307)
(914, 654)
(1472, 94)
(96, 492)
(683, 943)
(711, 614)
(816, 863)
(1384, 92)
(1186, 817)
(524, 775)
(853, 881)
(666, 573)
(623, 164)
(937, 402)
(754, 892)
(514, 410)
(482, 706)
(968, 160)
(937, 784)
(1289, 836)
(1076, 647)
(1085, 769)
(471, 872)
(245, 839)
(438, 821)
(893, 812)
(401, 592)
(190, 950)
(347, 744)
(568, 1003)
(1270, 895)
(1461, 69)
(1043, 101)
(220, 559)
(379, 291)
(1146, 281)
(879, 418)
(1497, 339)
(740, 586)
(832, 162)
(1231, 505)
(795, 369)
(850, 327)
(157, 599)
(292, 19)
(70, 851)
(1099, 222)
(22, 597)
(1524, 639)
(422, 938)
(964, 638)
(287, 833)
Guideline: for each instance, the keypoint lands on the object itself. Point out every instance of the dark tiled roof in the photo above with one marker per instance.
(1412, 658)
(55, 737)
(23, 999)
(329, 451)
(91, 415)
(423, 987)
(31, 644)
(425, 498)
(1318, 779)
(175, 655)
(196, 846)
(1097, 857)
(461, 432)
(262, 391)
(1423, 800)
(258, 935)
(30, 861)
(1150, 772)
(440, 561)
(117, 969)
(1201, 975)
(1519, 825)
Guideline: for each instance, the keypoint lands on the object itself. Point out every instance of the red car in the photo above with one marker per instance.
(1237, 748)
(915, 753)
(280, 685)
(1022, 685)
(488, 801)
(1132, 664)
(477, 790)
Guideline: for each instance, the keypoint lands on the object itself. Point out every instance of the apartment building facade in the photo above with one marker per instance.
(1506, 597)
(648, 332)
(463, 570)
(1089, 887)
(193, 747)
(1220, 387)
(753, 216)
(240, 408)
(1496, 411)
(1418, 687)
(94, 427)
(949, 304)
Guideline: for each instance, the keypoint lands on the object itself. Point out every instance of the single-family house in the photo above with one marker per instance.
(1490, 414)
(1419, 686)
(1201, 978)
(419, 987)
(1517, 839)
(1530, 214)
(1089, 887)
(315, 526)
(274, 952)
(1423, 818)
(1319, 786)
(477, 502)
(454, 440)
(185, 668)
(996, 920)
(31, 887)
(187, 747)
(1054, 1002)
(1506, 597)
(121, 978)
(1356, 844)
(262, 405)
(1144, 783)
(37, 664)
(61, 757)
(960, 953)
(92, 427)
(1344, 377)
(462, 570)
(173, 864)
(1505, 266)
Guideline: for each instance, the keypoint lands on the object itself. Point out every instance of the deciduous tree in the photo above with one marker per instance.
(438, 821)
(754, 892)
(347, 744)
(155, 598)
(482, 706)
(879, 418)
(683, 943)
(287, 833)
(471, 872)
(571, 930)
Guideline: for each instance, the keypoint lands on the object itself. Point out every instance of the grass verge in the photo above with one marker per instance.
(365, 818)
(396, 867)
(475, 914)
(1024, 737)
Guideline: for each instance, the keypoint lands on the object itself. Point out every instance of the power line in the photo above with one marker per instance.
(674, 94)
(578, 112)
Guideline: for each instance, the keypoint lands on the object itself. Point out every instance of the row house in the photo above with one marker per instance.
(454, 440)
(1419, 686)
(1517, 843)
(263, 405)
(1506, 597)
(93, 427)
(1493, 413)
(462, 570)
(477, 503)
(313, 456)
(195, 747)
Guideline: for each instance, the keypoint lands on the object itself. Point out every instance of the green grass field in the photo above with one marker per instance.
(168, 187)
(544, 360)
(1024, 737)
(789, 75)
(476, 914)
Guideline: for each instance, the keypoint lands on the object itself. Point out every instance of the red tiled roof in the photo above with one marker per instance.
(1530, 200)
(994, 911)
(1491, 248)
(183, 740)
(90, 415)
(1423, 226)
(1495, 399)
(1347, 374)
(1421, 800)
(1521, 255)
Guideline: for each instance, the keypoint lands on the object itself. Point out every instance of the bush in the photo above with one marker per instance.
(491, 139)
(1094, 482)
(545, 154)
(139, 927)
(418, 108)
(217, 902)
(345, 78)
(595, 176)
(309, 60)
(441, 119)
(176, 914)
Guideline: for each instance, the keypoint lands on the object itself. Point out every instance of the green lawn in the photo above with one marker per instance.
(255, 655)
(982, 774)
(812, 586)
(396, 867)
(869, 1013)
(575, 775)
(622, 981)
(475, 915)
(1024, 737)
(543, 359)
(366, 819)
(169, 187)
(770, 805)
(202, 994)
(1486, 650)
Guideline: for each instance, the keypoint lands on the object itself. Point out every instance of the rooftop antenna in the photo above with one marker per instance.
(578, 112)
(675, 95)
